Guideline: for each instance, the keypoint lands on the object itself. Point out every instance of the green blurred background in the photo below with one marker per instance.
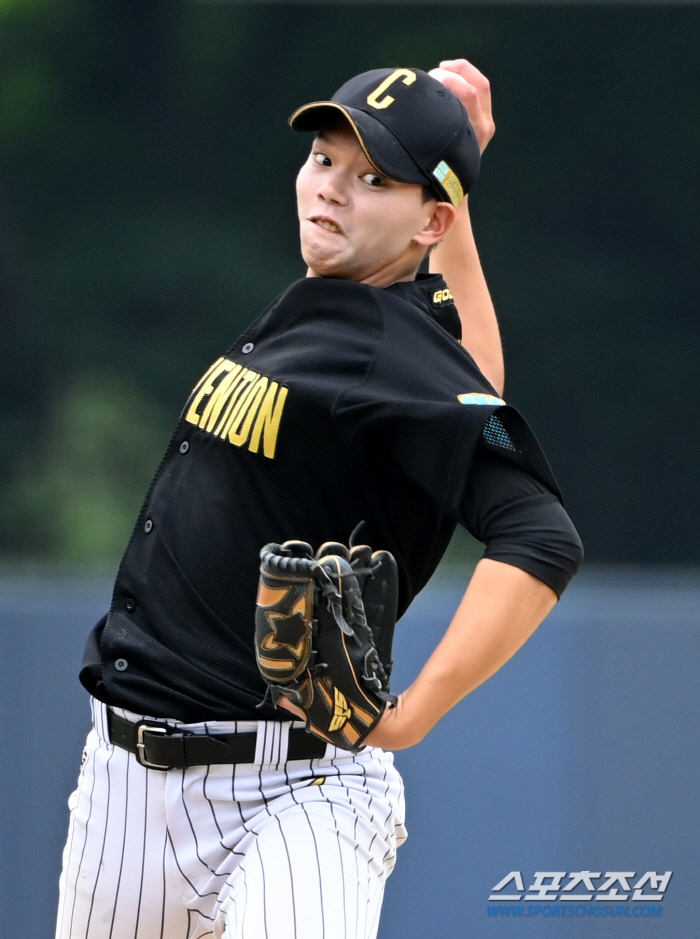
(147, 215)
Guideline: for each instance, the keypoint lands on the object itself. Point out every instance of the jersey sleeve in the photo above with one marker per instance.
(521, 522)
(423, 408)
(434, 443)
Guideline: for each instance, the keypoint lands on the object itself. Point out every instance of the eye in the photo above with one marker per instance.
(321, 158)
(373, 180)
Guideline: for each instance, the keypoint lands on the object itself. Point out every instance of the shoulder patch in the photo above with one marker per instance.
(478, 398)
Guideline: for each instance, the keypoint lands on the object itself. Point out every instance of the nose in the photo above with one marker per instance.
(333, 188)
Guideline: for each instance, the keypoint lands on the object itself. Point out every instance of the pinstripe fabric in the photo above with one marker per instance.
(271, 850)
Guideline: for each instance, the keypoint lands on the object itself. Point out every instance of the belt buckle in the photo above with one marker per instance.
(141, 729)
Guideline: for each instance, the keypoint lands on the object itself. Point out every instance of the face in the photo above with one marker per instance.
(355, 223)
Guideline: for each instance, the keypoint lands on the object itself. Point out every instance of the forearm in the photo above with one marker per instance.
(457, 259)
(500, 610)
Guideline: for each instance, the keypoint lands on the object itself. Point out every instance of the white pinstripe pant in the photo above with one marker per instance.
(266, 850)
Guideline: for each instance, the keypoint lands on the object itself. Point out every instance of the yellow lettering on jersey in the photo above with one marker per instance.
(268, 421)
(218, 399)
(238, 432)
(242, 398)
(406, 75)
(441, 295)
(240, 383)
(205, 387)
(241, 401)
(240, 386)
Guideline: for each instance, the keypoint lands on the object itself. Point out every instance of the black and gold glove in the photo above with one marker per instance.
(324, 626)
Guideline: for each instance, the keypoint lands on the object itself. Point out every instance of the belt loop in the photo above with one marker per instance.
(272, 743)
(99, 720)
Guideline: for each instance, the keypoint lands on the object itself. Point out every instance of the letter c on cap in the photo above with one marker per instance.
(405, 74)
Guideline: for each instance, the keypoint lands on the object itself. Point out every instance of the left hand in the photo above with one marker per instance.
(474, 91)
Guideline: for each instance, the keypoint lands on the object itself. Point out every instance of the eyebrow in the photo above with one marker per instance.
(320, 135)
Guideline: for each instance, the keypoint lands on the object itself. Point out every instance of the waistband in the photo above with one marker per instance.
(164, 744)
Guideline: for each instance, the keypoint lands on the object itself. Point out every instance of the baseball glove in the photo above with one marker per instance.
(324, 626)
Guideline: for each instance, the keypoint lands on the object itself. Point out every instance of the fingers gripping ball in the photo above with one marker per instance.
(323, 631)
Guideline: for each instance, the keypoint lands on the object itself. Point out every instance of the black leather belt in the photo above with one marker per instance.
(160, 746)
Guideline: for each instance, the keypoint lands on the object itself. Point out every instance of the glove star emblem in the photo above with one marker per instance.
(284, 648)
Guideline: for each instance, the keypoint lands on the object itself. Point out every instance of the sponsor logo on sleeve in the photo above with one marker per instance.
(478, 398)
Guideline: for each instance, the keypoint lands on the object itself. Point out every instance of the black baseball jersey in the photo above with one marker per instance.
(342, 403)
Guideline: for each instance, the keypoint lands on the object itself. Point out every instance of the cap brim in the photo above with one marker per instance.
(381, 148)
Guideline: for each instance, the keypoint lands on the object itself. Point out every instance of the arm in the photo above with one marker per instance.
(532, 551)
(501, 609)
(456, 257)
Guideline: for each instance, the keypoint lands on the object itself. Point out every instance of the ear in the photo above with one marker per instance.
(441, 215)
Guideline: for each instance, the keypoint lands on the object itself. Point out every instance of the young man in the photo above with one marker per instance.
(199, 811)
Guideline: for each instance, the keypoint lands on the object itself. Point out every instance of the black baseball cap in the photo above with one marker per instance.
(411, 127)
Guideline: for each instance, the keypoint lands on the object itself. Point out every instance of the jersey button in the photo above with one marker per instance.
(148, 527)
(130, 605)
(248, 347)
(184, 446)
(121, 665)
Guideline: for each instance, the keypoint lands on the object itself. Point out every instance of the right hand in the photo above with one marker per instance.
(474, 91)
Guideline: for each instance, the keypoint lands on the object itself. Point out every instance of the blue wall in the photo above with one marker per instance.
(581, 754)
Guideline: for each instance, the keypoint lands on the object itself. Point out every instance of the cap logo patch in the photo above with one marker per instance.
(450, 183)
(374, 100)
(474, 398)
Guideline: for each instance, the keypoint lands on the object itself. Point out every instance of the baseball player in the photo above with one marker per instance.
(202, 809)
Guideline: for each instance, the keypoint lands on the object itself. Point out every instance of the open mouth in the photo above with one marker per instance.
(327, 224)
